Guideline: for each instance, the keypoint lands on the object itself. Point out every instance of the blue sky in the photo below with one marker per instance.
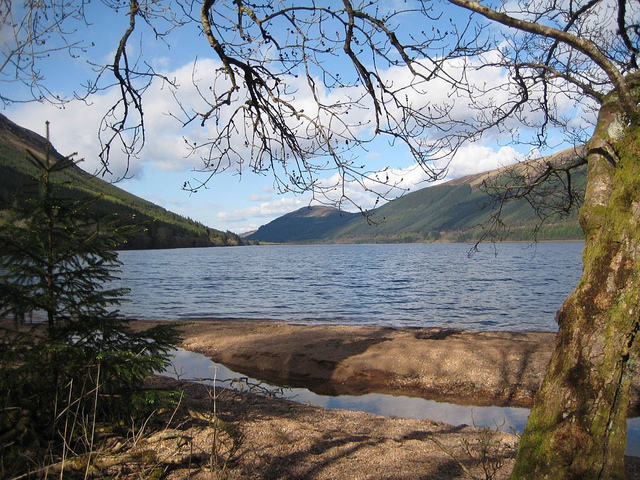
(230, 201)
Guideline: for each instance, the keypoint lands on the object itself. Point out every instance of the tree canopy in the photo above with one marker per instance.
(302, 90)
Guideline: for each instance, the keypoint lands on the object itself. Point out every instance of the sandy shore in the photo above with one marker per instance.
(213, 432)
(479, 368)
(286, 440)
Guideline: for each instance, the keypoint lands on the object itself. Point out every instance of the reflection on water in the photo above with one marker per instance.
(188, 365)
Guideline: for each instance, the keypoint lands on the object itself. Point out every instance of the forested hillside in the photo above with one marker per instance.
(159, 228)
(456, 211)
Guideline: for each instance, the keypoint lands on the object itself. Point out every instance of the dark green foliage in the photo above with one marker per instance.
(81, 364)
(56, 254)
(162, 229)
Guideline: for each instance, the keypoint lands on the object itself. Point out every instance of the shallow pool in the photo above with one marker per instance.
(194, 366)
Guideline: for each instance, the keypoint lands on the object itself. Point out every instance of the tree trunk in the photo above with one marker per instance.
(577, 427)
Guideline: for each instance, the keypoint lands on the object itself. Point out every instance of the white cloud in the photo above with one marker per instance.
(471, 159)
(260, 197)
(475, 158)
(282, 205)
(252, 217)
(75, 128)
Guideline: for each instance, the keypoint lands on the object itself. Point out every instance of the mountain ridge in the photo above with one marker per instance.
(163, 229)
(454, 211)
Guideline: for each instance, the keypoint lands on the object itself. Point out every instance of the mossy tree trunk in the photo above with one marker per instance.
(577, 427)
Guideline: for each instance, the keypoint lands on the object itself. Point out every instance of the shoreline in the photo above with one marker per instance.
(265, 437)
(464, 367)
(482, 368)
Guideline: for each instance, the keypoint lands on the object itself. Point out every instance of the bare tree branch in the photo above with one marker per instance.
(582, 45)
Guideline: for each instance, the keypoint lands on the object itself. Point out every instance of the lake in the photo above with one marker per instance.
(404, 285)
(512, 286)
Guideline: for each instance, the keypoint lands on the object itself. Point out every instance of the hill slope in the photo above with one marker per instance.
(307, 225)
(456, 211)
(163, 229)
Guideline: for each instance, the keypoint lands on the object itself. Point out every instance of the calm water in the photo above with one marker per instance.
(395, 285)
(193, 366)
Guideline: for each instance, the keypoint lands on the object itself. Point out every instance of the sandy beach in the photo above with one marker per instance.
(464, 367)
(286, 440)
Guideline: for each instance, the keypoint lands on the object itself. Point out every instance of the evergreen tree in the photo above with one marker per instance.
(83, 364)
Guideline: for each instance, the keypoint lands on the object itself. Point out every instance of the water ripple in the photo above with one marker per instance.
(395, 285)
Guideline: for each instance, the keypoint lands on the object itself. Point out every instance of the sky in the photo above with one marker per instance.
(230, 201)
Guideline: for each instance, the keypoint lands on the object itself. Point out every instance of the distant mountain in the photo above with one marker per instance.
(456, 211)
(307, 225)
(162, 229)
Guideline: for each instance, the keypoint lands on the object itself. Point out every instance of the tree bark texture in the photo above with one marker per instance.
(577, 427)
